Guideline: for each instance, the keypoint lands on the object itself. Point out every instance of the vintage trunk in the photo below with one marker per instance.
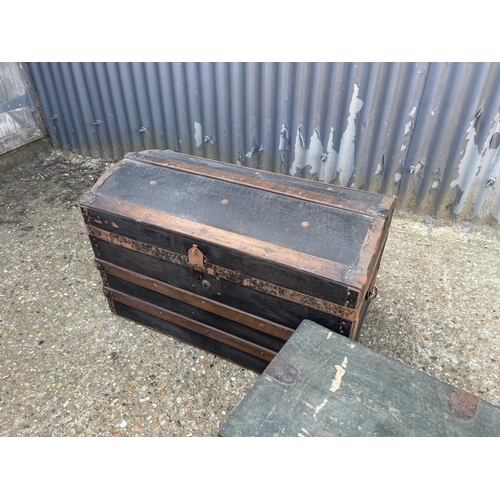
(232, 259)
(324, 385)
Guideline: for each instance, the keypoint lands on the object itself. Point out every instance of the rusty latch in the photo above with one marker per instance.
(196, 258)
(372, 294)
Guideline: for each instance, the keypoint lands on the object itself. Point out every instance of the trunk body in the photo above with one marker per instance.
(232, 259)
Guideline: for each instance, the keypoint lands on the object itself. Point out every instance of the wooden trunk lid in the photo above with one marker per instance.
(323, 230)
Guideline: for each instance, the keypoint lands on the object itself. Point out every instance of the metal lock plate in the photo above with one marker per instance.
(204, 284)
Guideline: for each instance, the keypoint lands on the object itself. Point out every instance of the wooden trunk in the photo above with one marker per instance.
(232, 259)
(324, 385)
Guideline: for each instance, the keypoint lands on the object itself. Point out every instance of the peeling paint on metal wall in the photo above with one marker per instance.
(478, 170)
(337, 166)
(197, 134)
(453, 150)
(344, 163)
(427, 132)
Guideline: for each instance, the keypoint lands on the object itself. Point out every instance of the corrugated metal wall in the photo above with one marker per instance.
(427, 132)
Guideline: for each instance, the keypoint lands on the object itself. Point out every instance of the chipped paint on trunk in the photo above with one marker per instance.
(320, 407)
(338, 376)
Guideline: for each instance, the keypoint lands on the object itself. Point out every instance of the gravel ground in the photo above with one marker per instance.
(69, 367)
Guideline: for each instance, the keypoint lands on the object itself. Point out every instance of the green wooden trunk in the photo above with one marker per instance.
(323, 384)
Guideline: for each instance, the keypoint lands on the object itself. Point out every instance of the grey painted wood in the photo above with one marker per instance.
(323, 384)
(18, 123)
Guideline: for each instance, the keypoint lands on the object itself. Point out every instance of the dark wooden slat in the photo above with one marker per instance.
(238, 261)
(206, 304)
(195, 326)
(193, 313)
(188, 336)
(236, 296)
(227, 274)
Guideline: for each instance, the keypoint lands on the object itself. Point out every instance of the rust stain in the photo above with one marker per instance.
(463, 404)
(196, 258)
(109, 297)
(282, 371)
